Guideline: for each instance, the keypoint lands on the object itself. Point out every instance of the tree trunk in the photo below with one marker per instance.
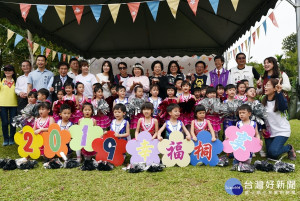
(31, 56)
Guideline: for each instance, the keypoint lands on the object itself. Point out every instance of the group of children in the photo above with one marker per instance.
(180, 111)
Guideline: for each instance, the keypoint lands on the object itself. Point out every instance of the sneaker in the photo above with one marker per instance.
(292, 153)
(5, 143)
(262, 153)
(234, 167)
(11, 142)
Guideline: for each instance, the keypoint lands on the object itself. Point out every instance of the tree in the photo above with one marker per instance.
(289, 44)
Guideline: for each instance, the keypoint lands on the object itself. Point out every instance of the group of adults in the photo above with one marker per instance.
(13, 92)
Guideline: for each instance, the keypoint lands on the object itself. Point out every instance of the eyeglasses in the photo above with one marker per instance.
(240, 58)
(122, 68)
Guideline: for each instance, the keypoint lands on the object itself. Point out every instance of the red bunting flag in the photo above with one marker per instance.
(25, 10)
(233, 53)
(64, 57)
(133, 8)
(78, 10)
(30, 43)
(47, 52)
(194, 5)
(273, 19)
(209, 58)
(254, 36)
(242, 47)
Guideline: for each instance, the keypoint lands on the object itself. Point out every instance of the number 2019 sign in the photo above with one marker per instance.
(110, 148)
(84, 134)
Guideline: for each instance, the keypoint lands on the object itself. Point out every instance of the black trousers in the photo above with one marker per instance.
(22, 102)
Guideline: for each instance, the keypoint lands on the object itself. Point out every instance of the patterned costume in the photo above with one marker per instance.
(200, 126)
(170, 128)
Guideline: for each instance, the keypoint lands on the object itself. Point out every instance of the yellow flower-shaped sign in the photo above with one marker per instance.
(176, 150)
(29, 143)
(84, 134)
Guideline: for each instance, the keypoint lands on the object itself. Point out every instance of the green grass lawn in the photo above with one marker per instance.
(189, 183)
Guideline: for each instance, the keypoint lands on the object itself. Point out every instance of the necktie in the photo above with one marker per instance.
(218, 73)
(62, 80)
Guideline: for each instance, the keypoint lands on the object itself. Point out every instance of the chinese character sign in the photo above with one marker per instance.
(55, 141)
(84, 134)
(205, 150)
(176, 150)
(29, 143)
(143, 149)
(110, 148)
(241, 141)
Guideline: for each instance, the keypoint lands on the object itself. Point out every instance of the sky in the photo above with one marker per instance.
(271, 43)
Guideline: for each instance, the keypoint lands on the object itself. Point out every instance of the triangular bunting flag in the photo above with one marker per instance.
(30, 43)
(10, 34)
(41, 9)
(254, 36)
(35, 47)
(42, 50)
(96, 10)
(47, 52)
(246, 45)
(25, 10)
(193, 5)
(203, 57)
(257, 31)
(61, 11)
(78, 10)
(249, 40)
(242, 45)
(18, 39)
(273, 19)
(53, 55)
(173, 4)
(59, 56)
(209, 58)
(114, 10)
(265, 26)
(69, 57)
(64, 57)
(214, 4)
(133, 8)
(239, 48)
(233, 53)
(235, 4)
(153, 7)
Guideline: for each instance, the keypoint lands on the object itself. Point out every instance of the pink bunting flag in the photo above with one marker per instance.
(254, 36)
(194, 5)
(242, 47)
(273, 19)
(25, 10)
(30, 43)
(64, 57)
(47, 52)
(133, 8)
(78, 11)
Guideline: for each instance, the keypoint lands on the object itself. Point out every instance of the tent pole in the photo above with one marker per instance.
(297, 7)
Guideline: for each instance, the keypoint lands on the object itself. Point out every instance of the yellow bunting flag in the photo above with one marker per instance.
(35, 47)
(53, 55)
(246, 45)
(235, 4)
(61, 11)
(10, 33)
(69, 57)
(173, 4)
(257, 31)
(114, 10)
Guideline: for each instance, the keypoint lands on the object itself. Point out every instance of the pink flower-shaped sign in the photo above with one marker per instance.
(144, 149)
(241, 142)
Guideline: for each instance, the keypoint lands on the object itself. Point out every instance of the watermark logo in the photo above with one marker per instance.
(233, 186)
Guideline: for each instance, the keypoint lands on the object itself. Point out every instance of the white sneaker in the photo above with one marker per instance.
(262, 153)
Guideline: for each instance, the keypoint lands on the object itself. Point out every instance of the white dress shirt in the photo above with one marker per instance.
(21, 84)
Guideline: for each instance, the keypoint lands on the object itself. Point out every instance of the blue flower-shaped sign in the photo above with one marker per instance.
(205, 150)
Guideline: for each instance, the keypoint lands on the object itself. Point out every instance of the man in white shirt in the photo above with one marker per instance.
(242, 71)
(21, 85)
(87, 79)
(74, 68)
